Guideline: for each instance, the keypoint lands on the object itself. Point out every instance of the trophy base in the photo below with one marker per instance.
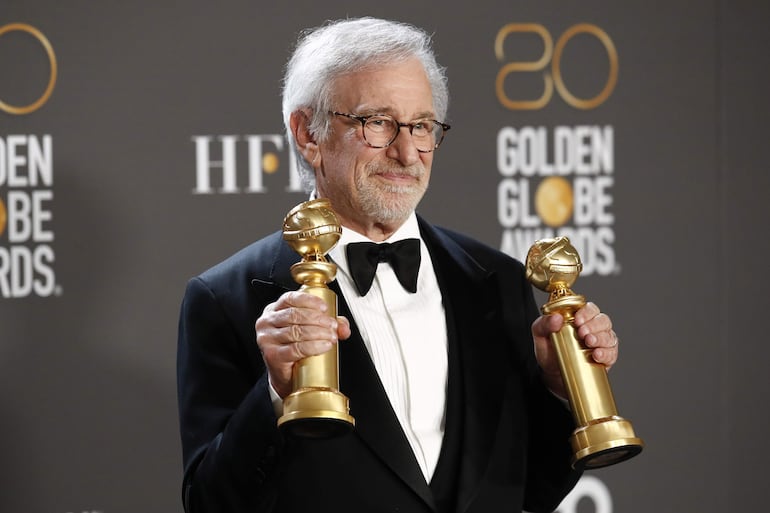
(316, 413)
(604, 442)
(318, 428)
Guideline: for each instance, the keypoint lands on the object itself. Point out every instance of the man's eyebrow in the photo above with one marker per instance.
(371, 109)
(367, 111)
(426, 114)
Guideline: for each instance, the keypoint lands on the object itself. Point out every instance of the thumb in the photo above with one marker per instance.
(547, 324)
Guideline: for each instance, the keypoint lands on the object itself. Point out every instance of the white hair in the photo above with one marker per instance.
(344, 46)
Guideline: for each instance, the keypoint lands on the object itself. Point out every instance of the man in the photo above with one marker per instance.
(456, 393)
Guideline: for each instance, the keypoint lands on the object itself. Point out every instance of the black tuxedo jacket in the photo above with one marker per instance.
(506, 440)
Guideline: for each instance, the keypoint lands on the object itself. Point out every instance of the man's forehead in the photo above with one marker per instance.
(396, 89)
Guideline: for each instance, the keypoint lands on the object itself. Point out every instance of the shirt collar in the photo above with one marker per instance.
(409, 230)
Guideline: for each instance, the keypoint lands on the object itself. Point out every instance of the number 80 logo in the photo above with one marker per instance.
(552, 54)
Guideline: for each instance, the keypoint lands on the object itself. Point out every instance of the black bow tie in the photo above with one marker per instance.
(403, 256)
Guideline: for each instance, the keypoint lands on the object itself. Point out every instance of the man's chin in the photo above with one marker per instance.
(390, 212)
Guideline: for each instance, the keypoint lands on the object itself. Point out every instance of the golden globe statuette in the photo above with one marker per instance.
(315, 408)
(602, 437)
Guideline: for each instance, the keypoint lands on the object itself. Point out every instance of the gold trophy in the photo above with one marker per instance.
(602, 438)
(315, 408)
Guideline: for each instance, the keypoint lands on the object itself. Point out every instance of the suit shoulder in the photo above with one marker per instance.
(255, 260)
(484, 254)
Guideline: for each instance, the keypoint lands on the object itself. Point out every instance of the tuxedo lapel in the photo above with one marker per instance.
(376, 422)
(469, 293)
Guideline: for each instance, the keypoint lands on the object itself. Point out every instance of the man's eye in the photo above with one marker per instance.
(424, 127)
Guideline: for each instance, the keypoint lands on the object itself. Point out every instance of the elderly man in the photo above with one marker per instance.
(457, 397)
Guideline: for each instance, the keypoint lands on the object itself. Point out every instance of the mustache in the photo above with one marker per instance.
(413, 171)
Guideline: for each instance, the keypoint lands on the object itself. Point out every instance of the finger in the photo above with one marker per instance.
(343, 328)
(607, 356)
(294, 308)
(279, 350)
(270, 334)
(605, 339)
(586, 313)
(547, 324)
(296, 316)
(282, 324)
(606, 348)
(300, 350)
(545, 352)
(281, 358)
(597, 324)
(326, 330)
(298, 299)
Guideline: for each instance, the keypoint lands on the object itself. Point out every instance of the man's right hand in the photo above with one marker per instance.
(296, 326)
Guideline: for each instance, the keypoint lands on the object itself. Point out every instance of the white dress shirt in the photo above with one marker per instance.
(406, 337)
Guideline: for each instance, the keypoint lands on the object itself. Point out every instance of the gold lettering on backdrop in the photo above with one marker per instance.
(554, 55)
(524, 66)
(612, 56)
(32, 107)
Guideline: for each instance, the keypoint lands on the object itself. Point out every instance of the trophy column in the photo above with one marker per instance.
(602, 437)
(315, 408)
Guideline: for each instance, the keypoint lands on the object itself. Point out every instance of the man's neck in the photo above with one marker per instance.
(377, 232)
(374, 230)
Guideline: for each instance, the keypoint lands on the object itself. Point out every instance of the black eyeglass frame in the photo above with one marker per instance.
(399, 125)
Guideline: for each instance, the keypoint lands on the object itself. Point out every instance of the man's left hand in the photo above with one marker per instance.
(593, 327)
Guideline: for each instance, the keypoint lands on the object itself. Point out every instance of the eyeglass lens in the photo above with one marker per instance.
(381, 131)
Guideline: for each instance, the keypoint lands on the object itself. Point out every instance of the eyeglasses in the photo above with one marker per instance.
(380, 130)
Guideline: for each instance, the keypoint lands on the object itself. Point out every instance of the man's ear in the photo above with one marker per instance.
(299, 122)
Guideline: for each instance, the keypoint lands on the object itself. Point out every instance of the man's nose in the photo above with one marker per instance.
(403, 147)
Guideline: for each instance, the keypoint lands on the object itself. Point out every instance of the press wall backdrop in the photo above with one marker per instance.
(142, 142)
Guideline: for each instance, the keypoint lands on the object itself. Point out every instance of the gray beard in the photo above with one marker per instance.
(390, 204)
